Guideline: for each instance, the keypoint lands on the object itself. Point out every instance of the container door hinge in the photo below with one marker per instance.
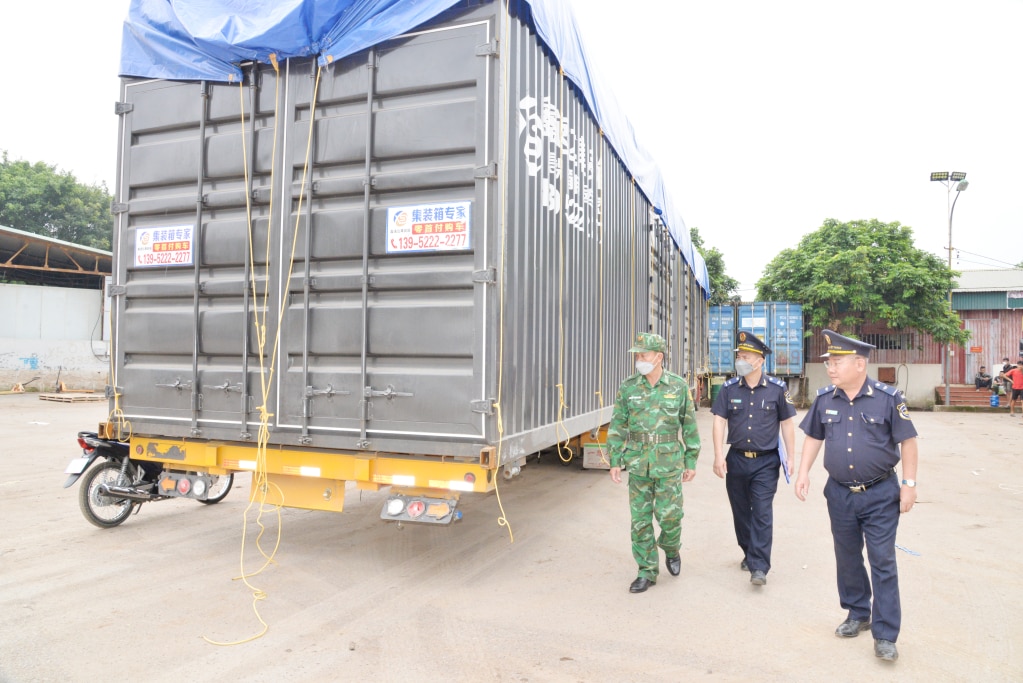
(117, 290)
(123, 108)
(487, 276)
(111, 391)
(118, 207)
(485, 406)
(488, 172)
(488, 49)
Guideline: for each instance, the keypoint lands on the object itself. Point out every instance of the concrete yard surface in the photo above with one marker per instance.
(349, 597)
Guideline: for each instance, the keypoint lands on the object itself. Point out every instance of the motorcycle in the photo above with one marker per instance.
(115, 484)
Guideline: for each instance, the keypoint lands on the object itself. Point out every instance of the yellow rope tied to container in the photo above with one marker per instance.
(600, 301)
(560, 423)
(502, 519)
(260, 482)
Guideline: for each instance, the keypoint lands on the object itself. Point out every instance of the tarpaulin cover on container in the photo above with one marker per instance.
(209, 39)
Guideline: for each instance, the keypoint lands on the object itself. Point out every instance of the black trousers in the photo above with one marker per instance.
(751, 484)
(870, 517)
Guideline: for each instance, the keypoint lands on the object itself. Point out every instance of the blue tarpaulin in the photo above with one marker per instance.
(209, 39)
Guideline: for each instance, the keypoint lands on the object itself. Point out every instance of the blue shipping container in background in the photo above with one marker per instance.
(721, 335)
(780, 325)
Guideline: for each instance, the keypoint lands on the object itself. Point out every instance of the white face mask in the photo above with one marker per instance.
(743, 367)
(644, 367)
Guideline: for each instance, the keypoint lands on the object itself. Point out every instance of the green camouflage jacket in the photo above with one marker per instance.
(664, 408)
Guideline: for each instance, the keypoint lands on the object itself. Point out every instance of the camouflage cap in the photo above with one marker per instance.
(648, 341)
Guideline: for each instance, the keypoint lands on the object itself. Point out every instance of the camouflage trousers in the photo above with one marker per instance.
(659, 498)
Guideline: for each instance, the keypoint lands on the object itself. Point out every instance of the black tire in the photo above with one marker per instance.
(104, 511)
(220, 486)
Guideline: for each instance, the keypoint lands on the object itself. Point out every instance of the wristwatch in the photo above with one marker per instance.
(911, 483)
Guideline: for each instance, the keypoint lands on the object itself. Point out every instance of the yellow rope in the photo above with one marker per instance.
(261, 485)
(600, 302)
(560, 423)
(502, 519)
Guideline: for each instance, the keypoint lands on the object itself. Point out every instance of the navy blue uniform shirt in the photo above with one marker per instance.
(753, 413)
(861, 436)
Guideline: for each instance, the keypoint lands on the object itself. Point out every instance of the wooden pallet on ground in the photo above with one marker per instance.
(73, 398)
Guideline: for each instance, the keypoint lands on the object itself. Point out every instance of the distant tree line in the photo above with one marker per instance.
(40, 199)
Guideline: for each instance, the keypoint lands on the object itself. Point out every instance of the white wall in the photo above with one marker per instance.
(51, 332)
(916, 381)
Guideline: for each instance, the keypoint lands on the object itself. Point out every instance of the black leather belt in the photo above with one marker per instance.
(859, 488)
(754, 454)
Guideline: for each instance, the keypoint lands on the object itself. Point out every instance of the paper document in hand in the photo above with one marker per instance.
(783, 456)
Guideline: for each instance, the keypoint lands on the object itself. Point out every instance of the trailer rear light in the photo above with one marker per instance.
(438, 510)
(395, 506)
(184, 486)
(199, 488)
(416, 508)
(470, 477)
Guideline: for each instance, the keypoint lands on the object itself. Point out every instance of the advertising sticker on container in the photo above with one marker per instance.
(429, 227)
(168, 246)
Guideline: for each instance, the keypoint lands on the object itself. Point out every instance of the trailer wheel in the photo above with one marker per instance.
(102, 510)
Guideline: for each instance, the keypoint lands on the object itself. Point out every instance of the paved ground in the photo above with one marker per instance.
(351, 598)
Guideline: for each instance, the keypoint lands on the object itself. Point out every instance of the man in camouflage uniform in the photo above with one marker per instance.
(651, 408)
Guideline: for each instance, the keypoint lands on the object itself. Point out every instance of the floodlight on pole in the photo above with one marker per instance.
(958, 178)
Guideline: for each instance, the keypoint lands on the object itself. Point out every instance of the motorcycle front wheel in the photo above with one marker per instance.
(102, 510)
(220, 486)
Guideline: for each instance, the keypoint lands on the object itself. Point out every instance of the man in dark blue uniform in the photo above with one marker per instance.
(863, 425)
(753, 406)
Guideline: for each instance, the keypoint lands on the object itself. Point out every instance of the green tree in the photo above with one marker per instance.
(40, 199)
(722, 287)
(847, 274)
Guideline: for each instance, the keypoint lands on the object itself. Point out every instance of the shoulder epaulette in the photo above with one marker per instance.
(826, 390)
(775, 380)
(730, 382)
(885, 388)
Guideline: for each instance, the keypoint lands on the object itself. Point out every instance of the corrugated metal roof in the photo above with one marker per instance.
(990, 280)
(39, 260)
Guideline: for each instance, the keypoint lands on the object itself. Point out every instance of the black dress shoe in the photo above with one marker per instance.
(674, 564)
(886, 650)
(743, 566)
(850, 628)
(640, 585)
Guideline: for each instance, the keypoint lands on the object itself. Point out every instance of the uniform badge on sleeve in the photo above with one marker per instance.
(788, 398)
(903, 411)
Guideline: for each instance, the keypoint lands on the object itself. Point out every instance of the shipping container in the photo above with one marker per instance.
(413, 265)
(721, 339)
(785, 332)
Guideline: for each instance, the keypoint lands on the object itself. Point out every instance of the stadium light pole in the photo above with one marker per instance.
(956, 179)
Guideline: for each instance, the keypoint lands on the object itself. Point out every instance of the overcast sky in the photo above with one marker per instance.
(765, 117)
